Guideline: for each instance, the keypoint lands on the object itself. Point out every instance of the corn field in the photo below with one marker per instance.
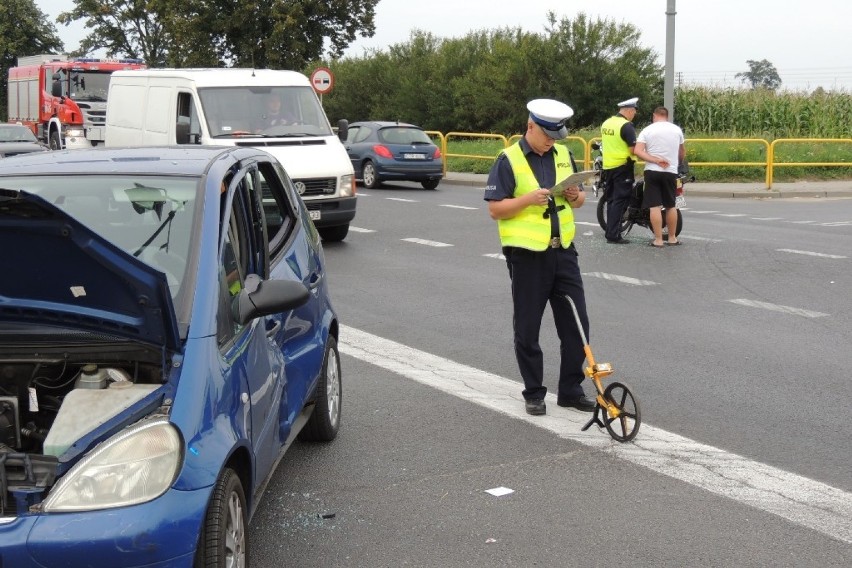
(761, 113)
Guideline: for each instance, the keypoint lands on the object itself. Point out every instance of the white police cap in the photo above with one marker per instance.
(629, 103)
(551, 116)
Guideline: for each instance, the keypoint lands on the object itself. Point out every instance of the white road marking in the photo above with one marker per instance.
(622, 279)
(703, 212)
(460, 207)
(809, 253)
(425, 242)
(586, 223)
(801, 222)
(730, 214)
(360, 230)
(837, 224)
(402, 199)
(694, 238)
(767, 218)
(498, 256)
(359, 194)
(778, 308)
(803, 501)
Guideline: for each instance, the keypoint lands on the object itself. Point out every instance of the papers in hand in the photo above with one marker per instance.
(573, 179)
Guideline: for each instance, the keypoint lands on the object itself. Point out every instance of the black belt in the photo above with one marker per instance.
(551, 245)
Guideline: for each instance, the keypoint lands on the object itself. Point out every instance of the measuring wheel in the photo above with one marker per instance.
(625, 425)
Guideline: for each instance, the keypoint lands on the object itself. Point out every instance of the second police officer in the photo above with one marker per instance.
(618, 137)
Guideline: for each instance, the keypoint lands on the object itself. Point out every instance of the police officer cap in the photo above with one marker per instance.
(629, 103)
(551, 116)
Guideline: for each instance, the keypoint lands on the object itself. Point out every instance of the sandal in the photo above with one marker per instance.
(674, 244)
(651, 244)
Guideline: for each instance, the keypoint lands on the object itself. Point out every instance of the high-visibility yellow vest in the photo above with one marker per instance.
(529, 229)
(615, 149)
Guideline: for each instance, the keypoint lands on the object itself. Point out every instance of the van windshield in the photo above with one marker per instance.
(263, 111)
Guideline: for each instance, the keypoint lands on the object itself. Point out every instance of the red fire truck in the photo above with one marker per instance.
(63, 101)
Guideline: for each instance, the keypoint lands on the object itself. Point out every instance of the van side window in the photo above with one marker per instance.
(187, 130)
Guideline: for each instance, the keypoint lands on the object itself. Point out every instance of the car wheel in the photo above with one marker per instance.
(324, 422)
(55, 142)
(223, 542)
(430, 183)
(371, 179)
(334, 234)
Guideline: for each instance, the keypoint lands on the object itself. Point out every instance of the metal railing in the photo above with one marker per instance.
(769, 148)
(775, 164)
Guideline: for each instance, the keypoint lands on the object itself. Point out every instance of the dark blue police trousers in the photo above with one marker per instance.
(539, 278)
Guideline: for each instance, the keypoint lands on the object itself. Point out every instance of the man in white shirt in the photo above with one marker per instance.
(660, 145)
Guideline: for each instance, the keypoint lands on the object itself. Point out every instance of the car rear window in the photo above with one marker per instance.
(403, 135)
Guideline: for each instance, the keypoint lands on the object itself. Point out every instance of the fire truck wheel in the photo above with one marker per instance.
(55, 143)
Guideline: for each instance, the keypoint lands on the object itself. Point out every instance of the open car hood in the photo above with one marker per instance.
(56, 272)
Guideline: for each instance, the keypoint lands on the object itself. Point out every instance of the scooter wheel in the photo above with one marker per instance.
(625, 426)
(679, 227)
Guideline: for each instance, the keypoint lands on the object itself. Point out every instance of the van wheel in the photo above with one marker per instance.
(54, 142)
(223, 540)
(371, 179)
(324, 422)
(334, 234)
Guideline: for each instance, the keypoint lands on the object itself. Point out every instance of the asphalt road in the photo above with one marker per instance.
(736, 344)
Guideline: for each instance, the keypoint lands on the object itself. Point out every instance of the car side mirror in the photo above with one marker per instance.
(342, 129)
(265, 297)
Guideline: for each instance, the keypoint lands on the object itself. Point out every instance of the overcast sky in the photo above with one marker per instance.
(807, 42)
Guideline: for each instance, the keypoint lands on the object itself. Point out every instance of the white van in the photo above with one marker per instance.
(276, 111)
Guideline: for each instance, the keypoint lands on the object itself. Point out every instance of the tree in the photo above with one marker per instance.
(761, 74)
(122, 28)
(601, 62)
(483, 81)
(249, 33)
(24, 30)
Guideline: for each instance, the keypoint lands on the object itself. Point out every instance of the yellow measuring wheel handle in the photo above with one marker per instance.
(597, 371)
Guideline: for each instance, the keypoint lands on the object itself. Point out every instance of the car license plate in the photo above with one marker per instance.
(315, 214)
(414, 156)
(680, 201)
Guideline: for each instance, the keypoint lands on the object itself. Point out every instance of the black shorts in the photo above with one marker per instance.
(660, 189)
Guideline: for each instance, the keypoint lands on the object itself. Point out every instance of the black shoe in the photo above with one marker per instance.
(583, 403)
(536, 407)
(618, 241)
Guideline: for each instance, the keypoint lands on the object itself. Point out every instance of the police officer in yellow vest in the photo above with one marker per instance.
(618, 137)
(537, 231)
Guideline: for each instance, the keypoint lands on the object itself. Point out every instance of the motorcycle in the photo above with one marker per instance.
(635, 214)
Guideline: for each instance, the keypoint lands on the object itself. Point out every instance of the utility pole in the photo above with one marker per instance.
(668, 87)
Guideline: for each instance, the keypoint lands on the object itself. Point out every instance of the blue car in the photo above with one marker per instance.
(393, 151)
(165, 333)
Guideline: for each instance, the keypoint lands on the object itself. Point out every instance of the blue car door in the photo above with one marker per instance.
(294, 254)
(254, 357)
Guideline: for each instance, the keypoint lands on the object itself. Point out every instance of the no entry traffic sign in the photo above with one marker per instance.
(322, 80)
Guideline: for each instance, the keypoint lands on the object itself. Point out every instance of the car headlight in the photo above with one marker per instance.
(347, 186)
(137, 465)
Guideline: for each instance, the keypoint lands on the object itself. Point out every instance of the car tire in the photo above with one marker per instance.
(324, 422)
(54, 142)
(369, 175)
(430, 183)
(334, 234)
(224, 538)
